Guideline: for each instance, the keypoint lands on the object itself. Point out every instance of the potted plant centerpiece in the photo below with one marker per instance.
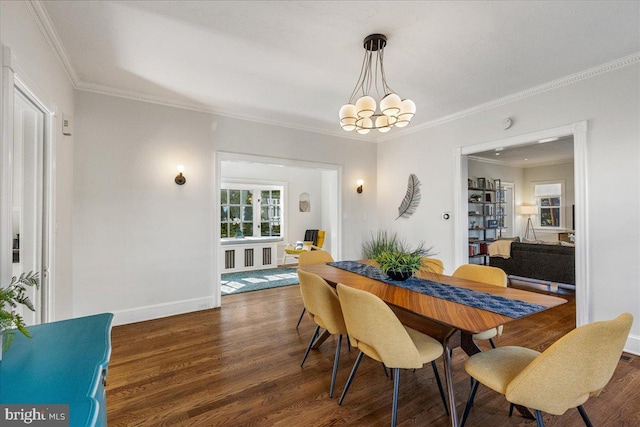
(10, 297)
(395, 257)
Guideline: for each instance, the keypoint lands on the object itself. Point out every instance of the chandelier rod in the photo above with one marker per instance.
(360, 81)
(387, 89)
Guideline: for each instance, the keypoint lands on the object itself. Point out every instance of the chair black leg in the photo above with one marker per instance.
(511, 409)
(493, 345)
(396, 387)
(313, 337)
(351, 375)
(472, 395)
(335, 365)
(437, 375)
(584, 416)
(301, 316)
(386, 373)
(539, 419)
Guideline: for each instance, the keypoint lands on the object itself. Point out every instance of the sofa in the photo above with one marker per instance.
(541, 262)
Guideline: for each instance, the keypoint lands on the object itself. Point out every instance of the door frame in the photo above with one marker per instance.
(580, 132)
(13, 78)
(335, 215)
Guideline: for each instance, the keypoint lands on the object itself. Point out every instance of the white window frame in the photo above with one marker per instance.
(257, 189)
(561, 208)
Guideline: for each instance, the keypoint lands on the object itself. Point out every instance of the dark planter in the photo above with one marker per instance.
(399, 275)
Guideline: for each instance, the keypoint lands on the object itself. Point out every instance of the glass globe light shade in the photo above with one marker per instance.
(407, 111)
(365, 106)
(382, 124)
(348, 123)
(364, 126)
(348, 117)
(390, 105)
(348, 111)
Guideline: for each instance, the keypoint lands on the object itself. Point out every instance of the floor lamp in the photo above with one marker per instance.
(529, 210)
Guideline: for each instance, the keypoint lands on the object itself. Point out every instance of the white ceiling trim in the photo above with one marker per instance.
(136, 96)
(528, 165)
(50, 34)
(46, 26)
(555, 84)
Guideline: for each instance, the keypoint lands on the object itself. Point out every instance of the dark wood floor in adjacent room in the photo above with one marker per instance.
(240, 366)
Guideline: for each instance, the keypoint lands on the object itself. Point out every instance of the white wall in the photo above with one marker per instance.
(611, 104)
(37, 66)
(143, 246)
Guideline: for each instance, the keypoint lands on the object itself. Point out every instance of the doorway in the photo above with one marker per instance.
(579, 131)
(327, 185)
(25, 192)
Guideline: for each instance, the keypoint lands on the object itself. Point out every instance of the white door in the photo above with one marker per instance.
(28, 204)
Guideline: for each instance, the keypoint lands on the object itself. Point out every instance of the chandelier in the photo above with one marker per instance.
(362, 116)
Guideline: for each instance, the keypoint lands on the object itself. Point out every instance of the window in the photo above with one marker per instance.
(270, 212)
(549, 201)
(242, 204)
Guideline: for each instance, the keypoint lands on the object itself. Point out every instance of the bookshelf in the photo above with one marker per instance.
(485, 201)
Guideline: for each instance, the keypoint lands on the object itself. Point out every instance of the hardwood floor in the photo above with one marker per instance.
(240, 366)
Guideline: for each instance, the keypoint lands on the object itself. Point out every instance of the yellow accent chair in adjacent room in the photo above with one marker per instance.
(313, 240)
(485, 274)
(312, 257)
(323, 307)
(574, 368)
(376, 331)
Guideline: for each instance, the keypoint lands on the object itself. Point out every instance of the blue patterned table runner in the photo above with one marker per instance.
(482, 300)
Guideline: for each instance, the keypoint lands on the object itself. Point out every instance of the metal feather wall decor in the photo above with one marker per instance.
(411, 199)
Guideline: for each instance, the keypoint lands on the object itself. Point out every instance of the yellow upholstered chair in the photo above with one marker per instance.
(312, 257)
(313, 240)
(376, 331)
(323, 307)
(432, 265)
(564, 376)
(485, 274)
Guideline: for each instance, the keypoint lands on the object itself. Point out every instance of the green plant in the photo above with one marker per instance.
(10, 297)
(380, 243)
(394, 254)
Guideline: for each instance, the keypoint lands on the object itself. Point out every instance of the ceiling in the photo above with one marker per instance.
(532, 154)
(294, 63)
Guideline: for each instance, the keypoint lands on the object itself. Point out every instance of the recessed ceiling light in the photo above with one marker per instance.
(542, 141)
(497, 154)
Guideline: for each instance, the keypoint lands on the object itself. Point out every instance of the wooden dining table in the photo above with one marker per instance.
(451, 323)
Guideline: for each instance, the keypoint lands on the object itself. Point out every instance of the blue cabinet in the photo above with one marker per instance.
(63, 363)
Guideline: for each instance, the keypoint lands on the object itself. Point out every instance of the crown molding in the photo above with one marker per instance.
(201, 108)
(518, 165)
(555, 84)
(43, 21)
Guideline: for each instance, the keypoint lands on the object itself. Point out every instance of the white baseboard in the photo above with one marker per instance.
(140, 314)
(633, 345)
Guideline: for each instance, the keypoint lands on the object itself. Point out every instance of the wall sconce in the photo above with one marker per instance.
(359, 189)
(180, 179)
